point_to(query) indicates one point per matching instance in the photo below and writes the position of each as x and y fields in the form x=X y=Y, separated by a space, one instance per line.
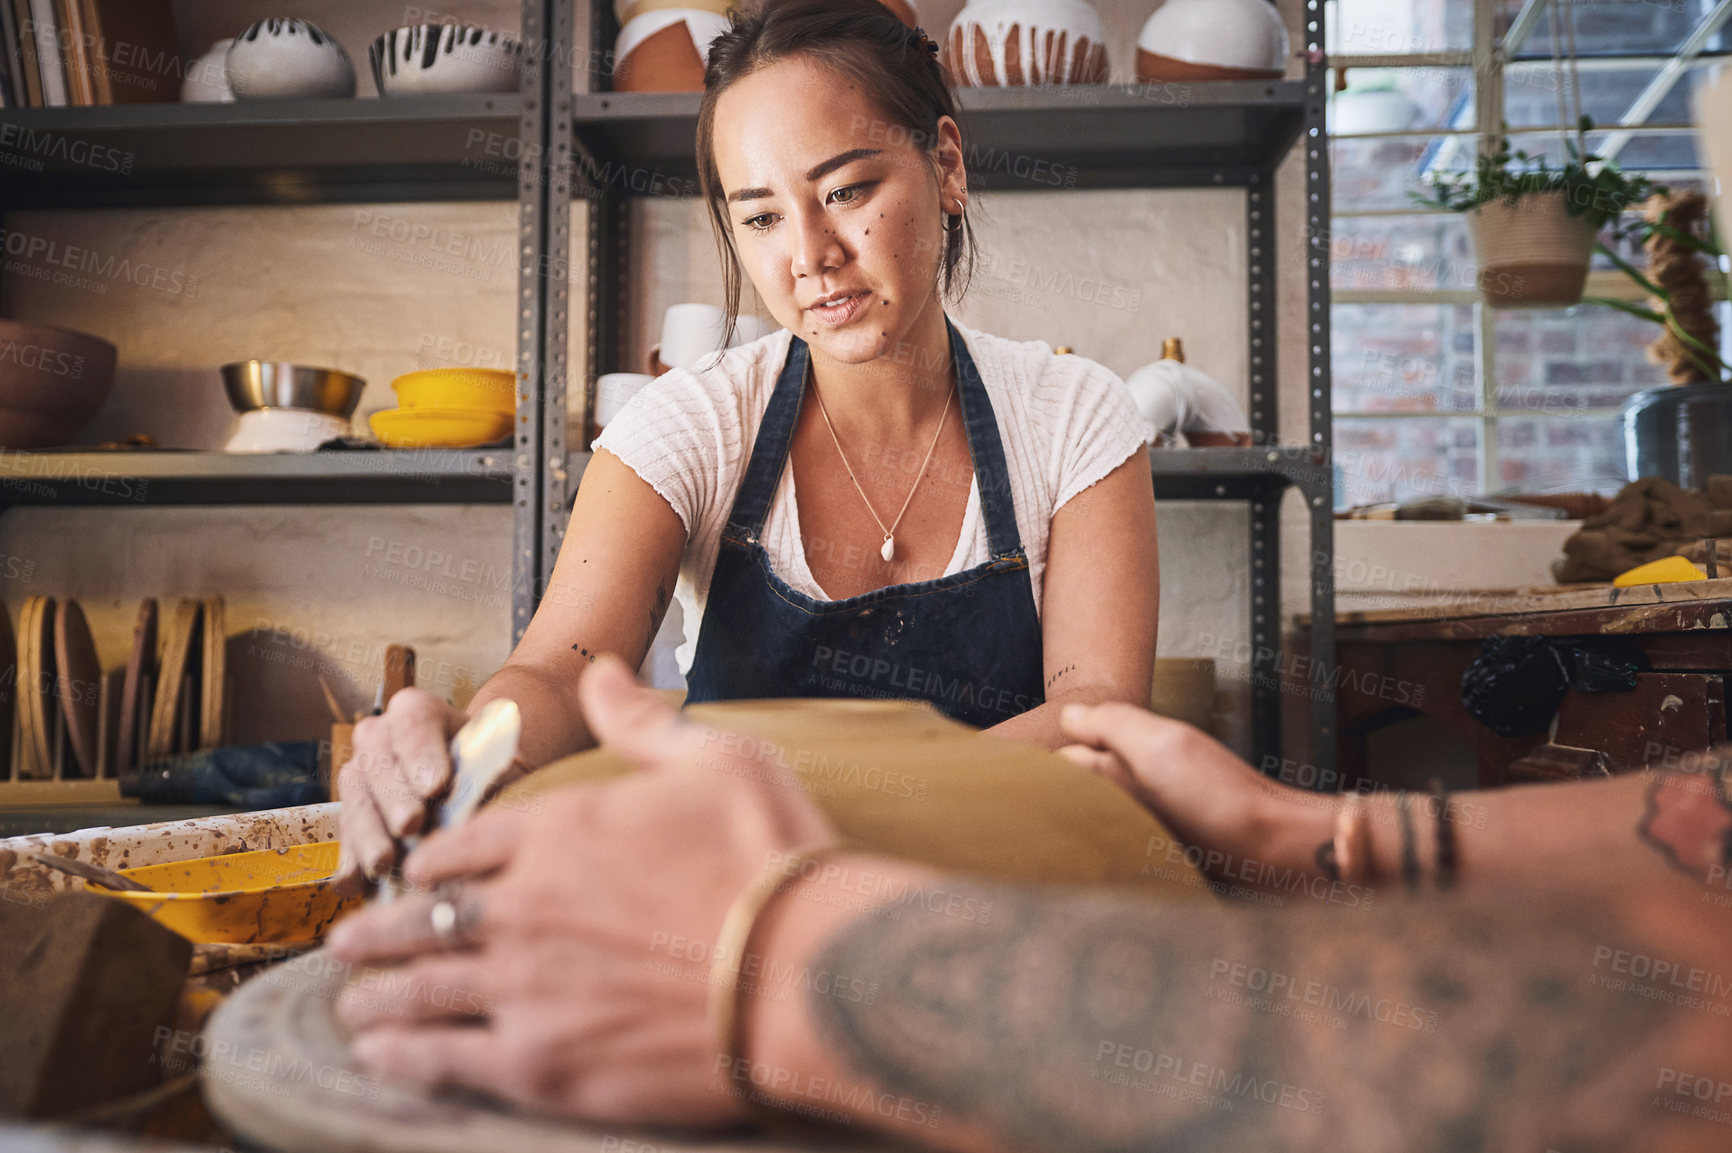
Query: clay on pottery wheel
x=900 y=778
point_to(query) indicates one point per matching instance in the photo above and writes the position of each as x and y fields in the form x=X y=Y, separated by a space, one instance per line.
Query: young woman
x=875 y=501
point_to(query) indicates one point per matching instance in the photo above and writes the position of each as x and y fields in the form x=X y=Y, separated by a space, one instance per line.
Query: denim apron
x=970 y=642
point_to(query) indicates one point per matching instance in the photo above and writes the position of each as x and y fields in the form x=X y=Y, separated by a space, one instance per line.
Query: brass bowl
x=253 y=384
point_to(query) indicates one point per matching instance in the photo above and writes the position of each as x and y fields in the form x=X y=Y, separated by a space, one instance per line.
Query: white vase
x=1182 y=405
x=207 y=79
x=444 y=58
x=1189 y=40
x=281 y=57
x=1017 y=43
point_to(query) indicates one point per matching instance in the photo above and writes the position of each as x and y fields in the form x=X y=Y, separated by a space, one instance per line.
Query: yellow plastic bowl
x=244 y=898
x=492 y=389
x=439 y=427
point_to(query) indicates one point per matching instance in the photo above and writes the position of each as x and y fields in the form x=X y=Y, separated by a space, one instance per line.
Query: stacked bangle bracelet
x=1346 y=856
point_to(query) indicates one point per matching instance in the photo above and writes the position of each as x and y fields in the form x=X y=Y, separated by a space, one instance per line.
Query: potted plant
x=1681 y=431
x=1534 y=226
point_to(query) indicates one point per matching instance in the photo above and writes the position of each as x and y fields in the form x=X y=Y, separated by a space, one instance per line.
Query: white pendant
x=888 y=552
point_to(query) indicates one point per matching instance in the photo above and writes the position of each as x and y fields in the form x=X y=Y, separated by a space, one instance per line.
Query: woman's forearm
x=552 y=722
x=1040 y=726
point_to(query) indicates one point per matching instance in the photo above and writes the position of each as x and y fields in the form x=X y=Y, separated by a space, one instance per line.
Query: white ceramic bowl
x=284 y=57
x=444 y=58
x=1224 y=39
x=1017 y=43
x=207 y=78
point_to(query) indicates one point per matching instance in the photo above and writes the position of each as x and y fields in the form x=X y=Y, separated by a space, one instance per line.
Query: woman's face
x=825 y=195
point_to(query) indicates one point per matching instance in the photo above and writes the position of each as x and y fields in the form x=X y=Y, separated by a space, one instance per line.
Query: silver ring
x=444 y=918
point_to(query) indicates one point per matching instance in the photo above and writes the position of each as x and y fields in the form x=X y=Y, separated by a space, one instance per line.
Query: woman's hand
x=1203 y=792
x=589 y=924
x=400 y=762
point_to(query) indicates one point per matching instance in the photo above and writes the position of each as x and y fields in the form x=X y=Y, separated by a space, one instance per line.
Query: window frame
x=1490 y=59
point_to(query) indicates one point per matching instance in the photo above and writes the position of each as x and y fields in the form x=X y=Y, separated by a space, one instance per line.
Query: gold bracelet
x=735 y=938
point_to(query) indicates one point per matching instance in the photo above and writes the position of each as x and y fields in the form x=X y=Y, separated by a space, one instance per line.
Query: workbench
x=1397 y=662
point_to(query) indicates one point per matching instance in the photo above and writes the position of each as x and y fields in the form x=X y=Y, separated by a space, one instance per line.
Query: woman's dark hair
x=864 y=41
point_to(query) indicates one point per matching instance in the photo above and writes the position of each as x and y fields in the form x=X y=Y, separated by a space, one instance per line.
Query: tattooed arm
x=987 y=1017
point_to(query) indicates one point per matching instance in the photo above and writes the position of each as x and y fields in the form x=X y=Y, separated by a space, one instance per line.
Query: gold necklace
x=888 y=552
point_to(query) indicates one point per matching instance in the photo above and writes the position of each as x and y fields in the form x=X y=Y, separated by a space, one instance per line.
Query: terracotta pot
x=1532 y=254
x=665 y=50
x=1013 y=43
x=1193 y=40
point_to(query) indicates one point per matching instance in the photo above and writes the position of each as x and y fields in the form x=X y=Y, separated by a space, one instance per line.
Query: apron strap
x=997 y=506
x=770 y=449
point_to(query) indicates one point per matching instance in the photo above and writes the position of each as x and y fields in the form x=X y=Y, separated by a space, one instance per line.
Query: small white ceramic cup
x=691 y=335
x=612 y=390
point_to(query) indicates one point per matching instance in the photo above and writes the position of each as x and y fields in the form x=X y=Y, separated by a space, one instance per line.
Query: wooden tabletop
x=1544 y=610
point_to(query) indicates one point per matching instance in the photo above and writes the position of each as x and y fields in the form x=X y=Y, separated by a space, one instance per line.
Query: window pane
x=1616 y=27
x=1560 y=454
x=1608 y=91
x=1559 y=362
x=1401 y=100
x=1381 y=27
x=1409 y=253
x=1531 y=96
x=1385 y=172
x=1403 y=358
x=1382 y=460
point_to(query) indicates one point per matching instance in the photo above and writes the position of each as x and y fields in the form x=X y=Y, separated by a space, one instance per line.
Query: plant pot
x=1533 y=253
x=1682 y=433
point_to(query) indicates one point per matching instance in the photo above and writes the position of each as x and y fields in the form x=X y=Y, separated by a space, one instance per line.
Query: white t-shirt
x=1065 y=422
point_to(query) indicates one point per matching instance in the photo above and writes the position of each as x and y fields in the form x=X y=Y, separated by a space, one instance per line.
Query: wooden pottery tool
x=77 y=685
x=286 y=1012
x=480 y=754
x=134 y=698
x=85 y=871
x=399 y=670
x=213 y=712
x=177 y=646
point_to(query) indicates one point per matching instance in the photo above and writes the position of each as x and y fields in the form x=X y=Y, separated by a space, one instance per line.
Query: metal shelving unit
x=548 y=145
x=1116 y=136
x=289 y=152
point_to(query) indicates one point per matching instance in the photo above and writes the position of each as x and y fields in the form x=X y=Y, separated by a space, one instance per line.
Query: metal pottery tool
x=480 y=752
